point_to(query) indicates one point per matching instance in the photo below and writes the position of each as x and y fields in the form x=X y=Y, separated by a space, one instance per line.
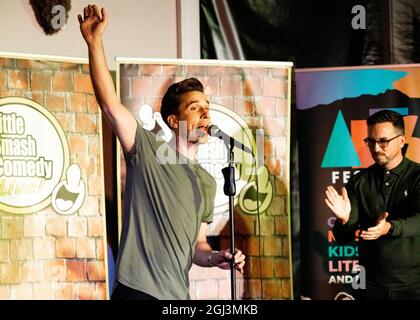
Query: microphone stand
x=229 y=189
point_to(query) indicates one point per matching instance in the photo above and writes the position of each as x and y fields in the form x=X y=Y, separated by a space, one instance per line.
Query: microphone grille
x=212 y=130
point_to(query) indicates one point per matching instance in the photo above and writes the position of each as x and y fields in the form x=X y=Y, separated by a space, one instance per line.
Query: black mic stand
x=229 y=189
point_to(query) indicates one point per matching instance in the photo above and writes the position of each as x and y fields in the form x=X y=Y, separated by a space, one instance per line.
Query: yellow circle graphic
x=34 y=155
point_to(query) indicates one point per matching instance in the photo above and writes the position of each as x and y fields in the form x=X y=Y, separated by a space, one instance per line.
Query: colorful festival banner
x=52 y=222
x=251 y=102
x=332 y=107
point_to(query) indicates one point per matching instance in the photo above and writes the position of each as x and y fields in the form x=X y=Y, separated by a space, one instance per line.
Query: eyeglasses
x=383 y=143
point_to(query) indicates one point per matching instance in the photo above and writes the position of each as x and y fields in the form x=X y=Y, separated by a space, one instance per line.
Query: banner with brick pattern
x=251 y=102
x=52 y=222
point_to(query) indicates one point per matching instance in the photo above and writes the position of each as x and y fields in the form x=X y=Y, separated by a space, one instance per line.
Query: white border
x=211 y=62
x=14 y=55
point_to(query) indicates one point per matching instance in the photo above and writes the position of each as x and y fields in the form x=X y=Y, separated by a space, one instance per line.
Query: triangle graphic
x=340 y=151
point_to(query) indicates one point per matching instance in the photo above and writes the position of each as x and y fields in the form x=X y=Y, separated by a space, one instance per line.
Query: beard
x=380 y=158
x=198 y=136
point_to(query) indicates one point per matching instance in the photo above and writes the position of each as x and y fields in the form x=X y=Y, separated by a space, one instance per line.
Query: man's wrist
x=210 y=262
x=94 y=43
x=344 y=221
x=391 y=229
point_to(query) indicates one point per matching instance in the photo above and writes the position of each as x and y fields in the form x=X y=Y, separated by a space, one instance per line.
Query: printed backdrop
x=333 y=105
x=52 y=225
x=244 y=97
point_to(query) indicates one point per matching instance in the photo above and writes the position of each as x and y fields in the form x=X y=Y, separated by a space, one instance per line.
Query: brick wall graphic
x=52 y=225
x=252 y=97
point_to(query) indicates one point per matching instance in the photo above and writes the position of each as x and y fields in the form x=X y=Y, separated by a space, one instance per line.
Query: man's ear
x=403 y=141
x=173 y=121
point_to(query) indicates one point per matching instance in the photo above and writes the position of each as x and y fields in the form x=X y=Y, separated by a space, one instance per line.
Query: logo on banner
x=213 y=157
x=346 y=147
x=340 y=151
x=34 y=156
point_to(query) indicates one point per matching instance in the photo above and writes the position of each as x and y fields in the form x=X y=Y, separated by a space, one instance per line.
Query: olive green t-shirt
x=164 y=206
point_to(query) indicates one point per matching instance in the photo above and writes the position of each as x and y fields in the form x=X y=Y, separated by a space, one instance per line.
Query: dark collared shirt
x=393 y=261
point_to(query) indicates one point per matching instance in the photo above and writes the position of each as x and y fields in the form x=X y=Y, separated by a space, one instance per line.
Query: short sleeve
x=145 y=142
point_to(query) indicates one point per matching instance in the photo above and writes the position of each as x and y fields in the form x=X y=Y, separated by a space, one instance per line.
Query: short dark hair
x=170 y=101
x=387 y=116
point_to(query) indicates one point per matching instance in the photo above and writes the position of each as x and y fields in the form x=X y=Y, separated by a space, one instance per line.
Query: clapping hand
x=339 y=204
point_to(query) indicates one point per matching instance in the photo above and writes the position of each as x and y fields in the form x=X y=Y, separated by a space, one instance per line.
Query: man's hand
x=339 y=204
x=381 y=228
x=92 y=25
x=222 y=259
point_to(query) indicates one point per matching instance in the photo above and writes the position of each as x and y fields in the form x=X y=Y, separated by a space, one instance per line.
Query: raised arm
x=92 y=27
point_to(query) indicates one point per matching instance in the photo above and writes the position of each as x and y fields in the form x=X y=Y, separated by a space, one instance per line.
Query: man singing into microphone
x=167 y=206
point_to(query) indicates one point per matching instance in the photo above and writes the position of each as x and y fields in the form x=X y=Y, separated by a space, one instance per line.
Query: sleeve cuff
x=343 y=227
x=397 y=229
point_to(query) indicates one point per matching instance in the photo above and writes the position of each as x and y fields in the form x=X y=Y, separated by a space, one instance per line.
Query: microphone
x=214 y=131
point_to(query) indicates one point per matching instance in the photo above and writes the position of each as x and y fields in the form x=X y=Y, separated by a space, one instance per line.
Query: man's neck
x=187 y=148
